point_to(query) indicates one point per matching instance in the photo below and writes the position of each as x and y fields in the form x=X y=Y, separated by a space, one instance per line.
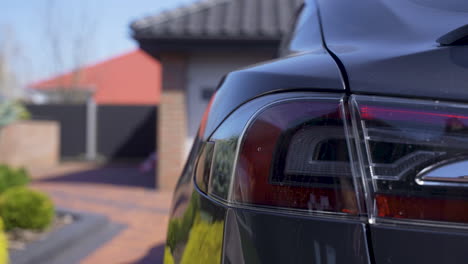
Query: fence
x=121 y=131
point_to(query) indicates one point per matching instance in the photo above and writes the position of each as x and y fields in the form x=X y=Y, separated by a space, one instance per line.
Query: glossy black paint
x=419 y=245
x=308 y=67
x=248 y=236
x=196 y=223
x=390 y=47
x=305 y=32
x=256 y=237
x=314 y=71
x=377 y=47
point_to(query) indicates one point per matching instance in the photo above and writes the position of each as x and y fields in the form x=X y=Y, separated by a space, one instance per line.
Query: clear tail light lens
x=413 y=154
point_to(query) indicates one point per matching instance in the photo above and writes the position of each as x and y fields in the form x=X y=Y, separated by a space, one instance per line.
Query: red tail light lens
x=295 y=155
x=408 y=150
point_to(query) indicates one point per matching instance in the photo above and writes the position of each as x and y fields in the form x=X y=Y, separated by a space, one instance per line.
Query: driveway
x=122 y=193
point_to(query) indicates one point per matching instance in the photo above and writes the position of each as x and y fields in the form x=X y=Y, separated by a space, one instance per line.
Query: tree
x=9 y=52
x=71 y=42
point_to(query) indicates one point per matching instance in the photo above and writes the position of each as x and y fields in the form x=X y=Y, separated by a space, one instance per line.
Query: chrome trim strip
x=422 y=178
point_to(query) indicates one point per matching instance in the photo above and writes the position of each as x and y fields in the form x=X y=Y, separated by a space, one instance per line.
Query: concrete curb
x=60 y=241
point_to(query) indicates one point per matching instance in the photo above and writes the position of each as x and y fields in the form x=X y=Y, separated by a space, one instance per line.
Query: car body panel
x=194 y=221
x=389 y=47
x=314 y=71
x=260 y=237
x=378 y=47
x=307 y=67
x=204 y=239
x=412 y=244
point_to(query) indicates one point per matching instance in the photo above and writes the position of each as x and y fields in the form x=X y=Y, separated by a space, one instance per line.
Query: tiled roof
x=220 y=19
x=133 y=78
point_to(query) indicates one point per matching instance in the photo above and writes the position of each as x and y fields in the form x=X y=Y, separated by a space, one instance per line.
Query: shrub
x=3 y=245
x=10 y=177
x=24 y=208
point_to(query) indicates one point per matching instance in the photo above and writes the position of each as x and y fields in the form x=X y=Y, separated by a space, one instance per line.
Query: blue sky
x=24 y=24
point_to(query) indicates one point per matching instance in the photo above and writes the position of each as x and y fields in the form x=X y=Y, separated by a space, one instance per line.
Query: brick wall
x=172 y=120
x=30 y=144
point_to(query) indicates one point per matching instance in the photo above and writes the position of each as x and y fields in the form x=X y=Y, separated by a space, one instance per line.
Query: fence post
x=91 y=129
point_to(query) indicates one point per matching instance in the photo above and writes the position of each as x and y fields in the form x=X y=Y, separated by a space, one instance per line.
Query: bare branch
x=71 y=41
x=9 y=54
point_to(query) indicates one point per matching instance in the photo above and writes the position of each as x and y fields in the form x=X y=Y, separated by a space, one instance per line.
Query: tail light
x=290 y=155
x=385 y=158
x=414 y=154
x=294 y=155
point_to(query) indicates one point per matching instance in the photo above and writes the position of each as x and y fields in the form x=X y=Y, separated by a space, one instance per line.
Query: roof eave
x=155 y=46
x=205 y=38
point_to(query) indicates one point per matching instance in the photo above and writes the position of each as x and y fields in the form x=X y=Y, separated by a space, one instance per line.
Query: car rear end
x=321 y=157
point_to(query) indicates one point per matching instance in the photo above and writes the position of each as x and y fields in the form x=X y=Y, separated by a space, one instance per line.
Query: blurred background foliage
x=12 y=111
x=24 y=208
x=12 y=177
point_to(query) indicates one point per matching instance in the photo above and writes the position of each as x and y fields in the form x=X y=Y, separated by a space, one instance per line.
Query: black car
x=352 y=147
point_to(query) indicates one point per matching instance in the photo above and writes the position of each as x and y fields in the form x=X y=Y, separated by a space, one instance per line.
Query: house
x=126 y=90
x=196 y=46
x=132 y=78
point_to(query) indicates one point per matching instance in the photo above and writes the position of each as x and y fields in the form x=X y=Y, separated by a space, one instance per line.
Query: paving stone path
x=125 y=196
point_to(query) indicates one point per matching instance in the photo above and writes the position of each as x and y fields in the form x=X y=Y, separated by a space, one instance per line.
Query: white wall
x=205 y=70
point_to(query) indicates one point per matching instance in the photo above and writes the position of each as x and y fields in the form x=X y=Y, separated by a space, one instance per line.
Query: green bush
x=10 y=177
x=24 y=208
